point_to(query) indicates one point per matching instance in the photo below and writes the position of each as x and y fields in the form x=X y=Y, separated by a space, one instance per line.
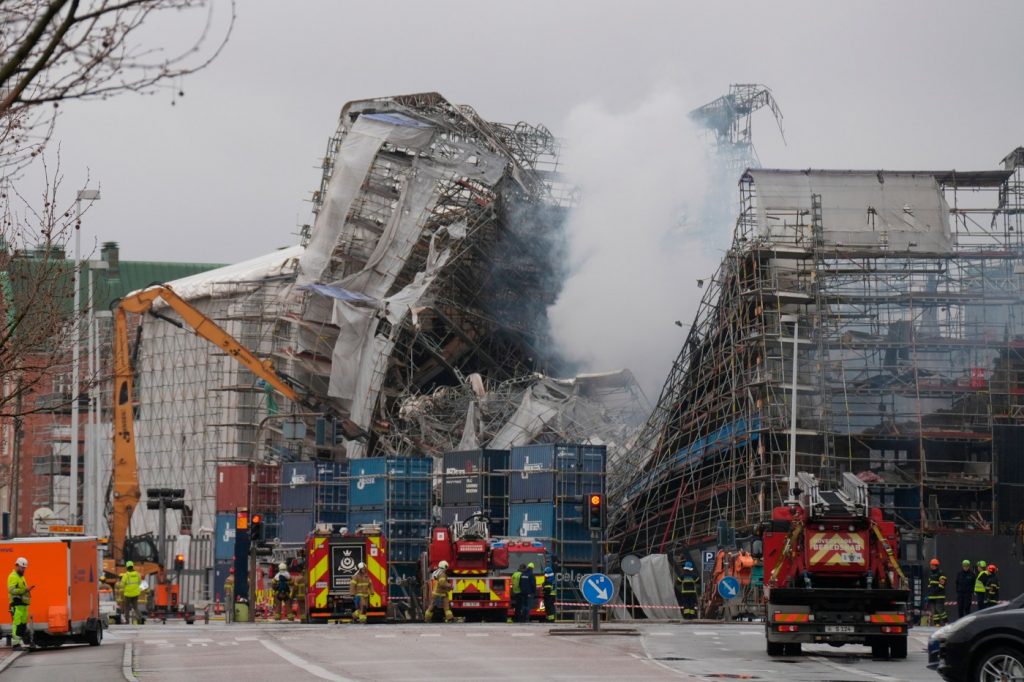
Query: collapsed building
x=413 y=312
x=901 y=293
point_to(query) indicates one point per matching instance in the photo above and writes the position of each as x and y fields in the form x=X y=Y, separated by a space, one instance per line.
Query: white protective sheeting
x=654 y=585
x=358 y=150
x=860 y=209
x=248 y=275
x=537 y=408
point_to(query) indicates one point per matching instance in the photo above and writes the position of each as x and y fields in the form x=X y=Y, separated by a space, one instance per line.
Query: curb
x=6 y=663
x=126 y=663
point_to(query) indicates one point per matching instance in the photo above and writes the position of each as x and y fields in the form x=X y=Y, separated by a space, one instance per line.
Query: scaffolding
x=905 y=291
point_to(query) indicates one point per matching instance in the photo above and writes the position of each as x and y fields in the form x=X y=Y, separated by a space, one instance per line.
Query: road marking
x=385 y=636
x=196 y=644
x=851 y=669
x=126 y=663
x=154 y=641
x=430 y=634
x=227 y=643
x=199 y=639
x=706 y=633
x=477 y=634
x=299 y=662
x=522 y=634
x=247 y=639
x=662 y=634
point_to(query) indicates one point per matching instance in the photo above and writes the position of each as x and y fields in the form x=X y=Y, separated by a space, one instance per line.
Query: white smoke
x=641 y=237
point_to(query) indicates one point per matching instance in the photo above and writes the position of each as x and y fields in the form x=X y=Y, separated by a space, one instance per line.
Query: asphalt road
x=412 y=653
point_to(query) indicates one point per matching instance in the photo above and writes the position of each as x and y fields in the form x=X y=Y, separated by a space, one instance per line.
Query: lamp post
x=90 y=512
x=89 y=195
x=795 y=319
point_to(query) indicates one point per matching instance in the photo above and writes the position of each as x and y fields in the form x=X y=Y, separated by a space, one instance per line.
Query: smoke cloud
x=654 y=217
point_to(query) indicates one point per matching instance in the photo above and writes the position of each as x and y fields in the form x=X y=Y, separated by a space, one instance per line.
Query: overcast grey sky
x=224 y=175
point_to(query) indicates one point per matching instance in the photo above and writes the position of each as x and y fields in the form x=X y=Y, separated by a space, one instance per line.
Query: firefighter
x=981 y=585
x=516 y=592
x=937 y=595
x=548 y=590
x=229 y=596
x=439 y=594
x=360 y=589
x=19 y=595
x=687 y=585
x=282 y=591
x=131 y=585
x=528 y=591
x=964 y=589
x=993 y=585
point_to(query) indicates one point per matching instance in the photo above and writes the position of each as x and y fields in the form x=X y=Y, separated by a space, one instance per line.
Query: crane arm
x=126 y=491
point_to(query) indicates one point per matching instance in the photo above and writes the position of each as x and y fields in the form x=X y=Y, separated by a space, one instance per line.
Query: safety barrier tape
x=639 y=606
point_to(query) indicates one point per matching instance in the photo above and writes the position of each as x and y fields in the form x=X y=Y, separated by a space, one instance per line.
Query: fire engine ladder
x=850 y=500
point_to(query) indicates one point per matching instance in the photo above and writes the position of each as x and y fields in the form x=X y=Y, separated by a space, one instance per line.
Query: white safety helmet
x=361 y=566
x=21 y=562
x=282 y=566
x=442 y=564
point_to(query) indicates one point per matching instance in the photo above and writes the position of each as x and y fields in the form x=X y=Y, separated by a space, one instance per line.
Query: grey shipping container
x=474 y=461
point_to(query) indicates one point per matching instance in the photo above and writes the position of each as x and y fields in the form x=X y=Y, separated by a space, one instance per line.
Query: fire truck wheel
x=898 y=648
x=879 y=650
x=795 y=649
x=776 y=648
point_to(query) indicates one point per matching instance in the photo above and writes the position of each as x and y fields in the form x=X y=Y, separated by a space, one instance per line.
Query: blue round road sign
x=728 y=587
x=598 y=588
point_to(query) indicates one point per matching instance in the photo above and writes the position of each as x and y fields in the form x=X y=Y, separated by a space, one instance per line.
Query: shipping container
x=498 y=515
x=406 y=550
x=234 y=482
x=224 y=544
x=314 y=485
x=593 y=458
x=572 y=552
x=232 y=487
x=465 y=462
x=561 y=522
x=362 y=517
x=463 y=489
x=394 y=482
x=295 y=526
x=531 y=487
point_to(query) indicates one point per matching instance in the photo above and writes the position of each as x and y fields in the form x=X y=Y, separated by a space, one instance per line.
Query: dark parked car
x=987 y=646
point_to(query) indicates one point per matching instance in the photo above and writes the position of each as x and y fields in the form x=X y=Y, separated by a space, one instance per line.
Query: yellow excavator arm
x=126 y=491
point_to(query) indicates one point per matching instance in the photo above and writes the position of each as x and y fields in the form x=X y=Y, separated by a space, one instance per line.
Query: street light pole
x=76 y=340
x=795 y=319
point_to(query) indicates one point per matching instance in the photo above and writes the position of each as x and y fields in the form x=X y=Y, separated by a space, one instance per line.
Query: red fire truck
x=832 y=572
x=480 y=568
x=331 y=560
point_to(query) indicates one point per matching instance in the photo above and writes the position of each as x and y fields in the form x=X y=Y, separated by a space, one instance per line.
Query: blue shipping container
x=295 y=526
x=309 y=485
x=406 y=550
x=531 y=520
x=463 y=462
x=366 y=517
x=224 y=546
x=593 y=458
x=404 y=482
x=527 y=487
x=572 y=552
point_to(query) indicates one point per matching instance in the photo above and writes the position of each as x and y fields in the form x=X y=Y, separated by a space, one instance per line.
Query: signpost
x=598 y=589
x=728 y=587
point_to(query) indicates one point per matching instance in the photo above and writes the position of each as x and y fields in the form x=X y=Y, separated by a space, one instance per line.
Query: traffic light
x=256 y=528
x=595 y=514
x=179 y=562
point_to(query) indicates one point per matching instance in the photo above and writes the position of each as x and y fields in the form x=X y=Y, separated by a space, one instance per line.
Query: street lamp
x=795 y=319
x=91 y=515
x=89 y=195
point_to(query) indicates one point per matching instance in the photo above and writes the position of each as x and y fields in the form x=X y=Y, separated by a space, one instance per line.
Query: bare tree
x=53 y=51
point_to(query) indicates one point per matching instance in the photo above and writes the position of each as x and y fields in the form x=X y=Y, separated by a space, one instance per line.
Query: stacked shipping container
x=475 y=481
x=548 y=486
x=312 y=493
x=396 y=494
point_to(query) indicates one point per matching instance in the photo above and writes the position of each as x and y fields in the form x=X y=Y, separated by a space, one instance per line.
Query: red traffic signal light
x=179 y=562
x=257 y=518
